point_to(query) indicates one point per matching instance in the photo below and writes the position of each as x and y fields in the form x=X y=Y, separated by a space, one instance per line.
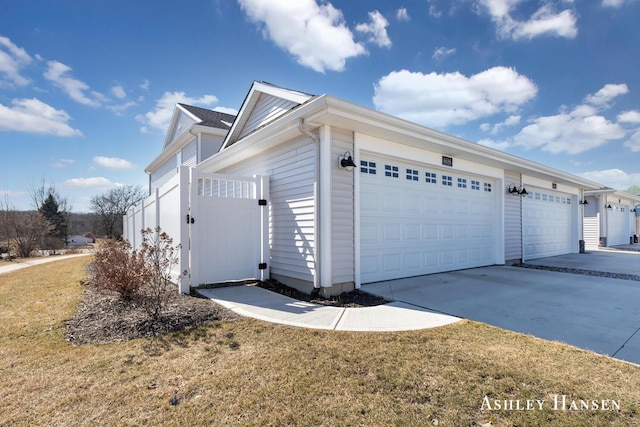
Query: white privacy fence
x=221 y=222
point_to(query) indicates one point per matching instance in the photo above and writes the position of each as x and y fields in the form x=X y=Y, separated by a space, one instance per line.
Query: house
x=610 y=218
x=352 y=196
x=80 y=240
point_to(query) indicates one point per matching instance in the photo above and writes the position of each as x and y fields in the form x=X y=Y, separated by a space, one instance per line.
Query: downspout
x=316 y=278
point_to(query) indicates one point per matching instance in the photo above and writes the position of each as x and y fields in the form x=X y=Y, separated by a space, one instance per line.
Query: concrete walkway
x=258 y=303
x=8 y=267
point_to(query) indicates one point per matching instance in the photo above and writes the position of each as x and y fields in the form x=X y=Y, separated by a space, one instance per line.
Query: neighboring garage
x=418 y=219
x=610 y=218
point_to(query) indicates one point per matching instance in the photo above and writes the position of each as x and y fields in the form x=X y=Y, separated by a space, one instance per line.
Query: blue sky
x=87 y=88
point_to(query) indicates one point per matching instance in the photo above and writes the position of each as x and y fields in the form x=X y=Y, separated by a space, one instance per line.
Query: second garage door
x=416 y=219
x=618 y=225
x=547 y=223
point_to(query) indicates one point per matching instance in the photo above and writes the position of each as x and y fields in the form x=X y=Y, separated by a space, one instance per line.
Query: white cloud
x=12 y=60
x=512 y=120
x=121 y=108
x=315 y=35
x=119 y=92
x=403 y=15
x=605 y=95
x=144 y=85
x=160 y=117
x=63 y=163
x=34 y=116
x=613 y=178
x=440 y=100
x=57 y=73
x=572 y=132
x=442 y=52
x=632 y=116
x=613 y=3
x=94 y=182
x=113 y=162
x=377 y=29
x=545 y=21
x=633 y=143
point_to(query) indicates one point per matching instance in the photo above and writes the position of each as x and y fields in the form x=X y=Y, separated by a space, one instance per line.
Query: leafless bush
x=160 y=258
x=118 y=268
x=141 y=276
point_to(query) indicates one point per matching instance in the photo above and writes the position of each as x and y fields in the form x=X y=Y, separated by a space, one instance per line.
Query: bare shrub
x=118 y=268
x=141 y=277
x=160 y=258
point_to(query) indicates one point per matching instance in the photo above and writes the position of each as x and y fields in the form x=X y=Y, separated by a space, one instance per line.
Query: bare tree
x=113 y=204
x=24 y=232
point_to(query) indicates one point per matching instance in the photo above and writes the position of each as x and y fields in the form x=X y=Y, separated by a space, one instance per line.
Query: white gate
x=228 y=223
x=220 y=221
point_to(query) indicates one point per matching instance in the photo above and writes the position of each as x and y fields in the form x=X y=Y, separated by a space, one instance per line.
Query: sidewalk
x=258 y=303
x=8 y=267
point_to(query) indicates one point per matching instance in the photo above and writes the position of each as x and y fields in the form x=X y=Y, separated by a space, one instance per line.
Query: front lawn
x=248 y=372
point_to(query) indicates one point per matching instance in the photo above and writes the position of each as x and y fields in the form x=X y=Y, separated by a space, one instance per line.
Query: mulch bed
x=106 y=318
x=354 y=298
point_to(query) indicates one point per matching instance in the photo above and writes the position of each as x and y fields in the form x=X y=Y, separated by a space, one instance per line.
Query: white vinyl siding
x=164 y=173
x=342 y=207
x=267 y=109
x=591 y=224
x=209 y=145
x=292 y=173
x=512 y=219
x=183 y=122
x=189 y=153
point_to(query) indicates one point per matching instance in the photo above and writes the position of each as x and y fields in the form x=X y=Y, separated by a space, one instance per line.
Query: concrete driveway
x=595 y=313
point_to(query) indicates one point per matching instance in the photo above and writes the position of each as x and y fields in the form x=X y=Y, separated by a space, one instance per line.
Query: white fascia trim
x=394 y=124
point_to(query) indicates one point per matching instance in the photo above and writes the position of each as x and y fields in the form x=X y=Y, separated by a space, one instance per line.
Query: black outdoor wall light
x=584 y=202
x=346 y=161
x=512 y=189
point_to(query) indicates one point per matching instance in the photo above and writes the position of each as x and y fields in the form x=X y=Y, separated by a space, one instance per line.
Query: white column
x=324 y=240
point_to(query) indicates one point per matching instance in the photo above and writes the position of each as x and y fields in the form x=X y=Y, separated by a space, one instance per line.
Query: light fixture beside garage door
x=346 y=161
x=513 y=189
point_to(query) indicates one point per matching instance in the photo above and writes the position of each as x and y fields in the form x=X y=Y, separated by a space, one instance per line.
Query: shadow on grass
x=160 y=344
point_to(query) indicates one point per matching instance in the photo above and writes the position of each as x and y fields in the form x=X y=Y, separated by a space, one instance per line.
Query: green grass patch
x=250 y=372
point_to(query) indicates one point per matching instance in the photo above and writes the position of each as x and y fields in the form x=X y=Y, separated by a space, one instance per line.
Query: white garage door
x=547 y=223
x=416 y=219
x=618 y=225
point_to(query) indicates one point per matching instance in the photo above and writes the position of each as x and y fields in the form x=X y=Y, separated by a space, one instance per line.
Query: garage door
x=618 y=225
x=416 y=219
x=547 y=223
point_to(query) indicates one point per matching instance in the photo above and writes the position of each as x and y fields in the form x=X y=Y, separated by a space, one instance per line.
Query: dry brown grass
x=254 y=373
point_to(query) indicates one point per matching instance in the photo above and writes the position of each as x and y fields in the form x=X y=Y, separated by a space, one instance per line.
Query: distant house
x=331 y=196
x=80 y=240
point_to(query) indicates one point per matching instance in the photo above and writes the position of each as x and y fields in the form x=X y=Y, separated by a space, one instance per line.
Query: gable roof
x=282 y=100
x=214 y=119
